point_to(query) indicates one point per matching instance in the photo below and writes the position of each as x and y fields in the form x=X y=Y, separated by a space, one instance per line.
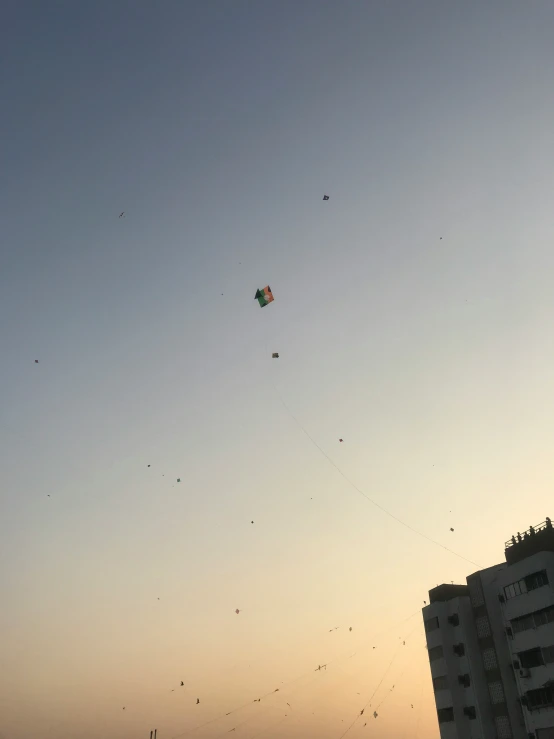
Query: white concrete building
x=491 y=645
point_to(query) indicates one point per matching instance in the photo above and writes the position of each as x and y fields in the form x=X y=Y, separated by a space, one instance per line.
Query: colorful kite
x=264 y=296
x=275 y=355
x=326 y=197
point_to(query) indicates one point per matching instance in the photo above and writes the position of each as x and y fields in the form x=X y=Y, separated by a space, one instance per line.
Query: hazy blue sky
x=413 y=316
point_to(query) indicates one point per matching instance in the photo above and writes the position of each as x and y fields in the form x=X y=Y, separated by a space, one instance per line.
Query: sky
x=412 y=316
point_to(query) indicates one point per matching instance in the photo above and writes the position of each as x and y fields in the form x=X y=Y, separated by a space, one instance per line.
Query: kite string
x=378 y=685
x=361 y=492
x=419 y=707
x=291 y=682
x=399 y=678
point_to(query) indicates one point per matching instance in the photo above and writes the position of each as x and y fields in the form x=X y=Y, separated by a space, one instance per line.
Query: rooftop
x=446 y=592
x=538 y=538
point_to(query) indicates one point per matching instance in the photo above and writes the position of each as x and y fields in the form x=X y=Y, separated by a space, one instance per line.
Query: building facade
x=491 y=645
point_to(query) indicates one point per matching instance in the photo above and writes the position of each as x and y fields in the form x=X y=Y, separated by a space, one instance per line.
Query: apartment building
x=491 y=645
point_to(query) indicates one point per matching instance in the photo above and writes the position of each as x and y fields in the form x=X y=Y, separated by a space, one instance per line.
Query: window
x=454 y=619
x=531 y=582
x=540 y=698
x=534 y=620
x=470 y=712
x=548 y=654
x=464 y=680
x=523 y=623
x=440 y=683
x=489 y=659
x=536 y=580
x=445 y=714
x=516 y=588
x=431 y=624
x=531 y=658
x=496 y=692
x=435 y=653
x=543 y=617
x=459 y=649
x=503 y=728
x=546 y=733
x=483 y=627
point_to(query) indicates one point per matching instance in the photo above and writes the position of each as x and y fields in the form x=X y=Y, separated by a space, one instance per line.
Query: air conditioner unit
x=516 y=664
x=501 y=598
x=509 y=631
x=525 y=672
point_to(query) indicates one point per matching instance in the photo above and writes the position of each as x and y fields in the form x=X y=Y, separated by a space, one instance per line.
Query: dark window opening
x=454 y=619
x=470 y=712
x=531 y=658
x=464 y=680
x=536 y=580
x=459 y=649
x=445 y=714
x=523 y=623
x=540 y=698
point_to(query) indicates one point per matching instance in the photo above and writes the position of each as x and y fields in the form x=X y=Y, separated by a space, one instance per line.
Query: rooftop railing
x=531 y=531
